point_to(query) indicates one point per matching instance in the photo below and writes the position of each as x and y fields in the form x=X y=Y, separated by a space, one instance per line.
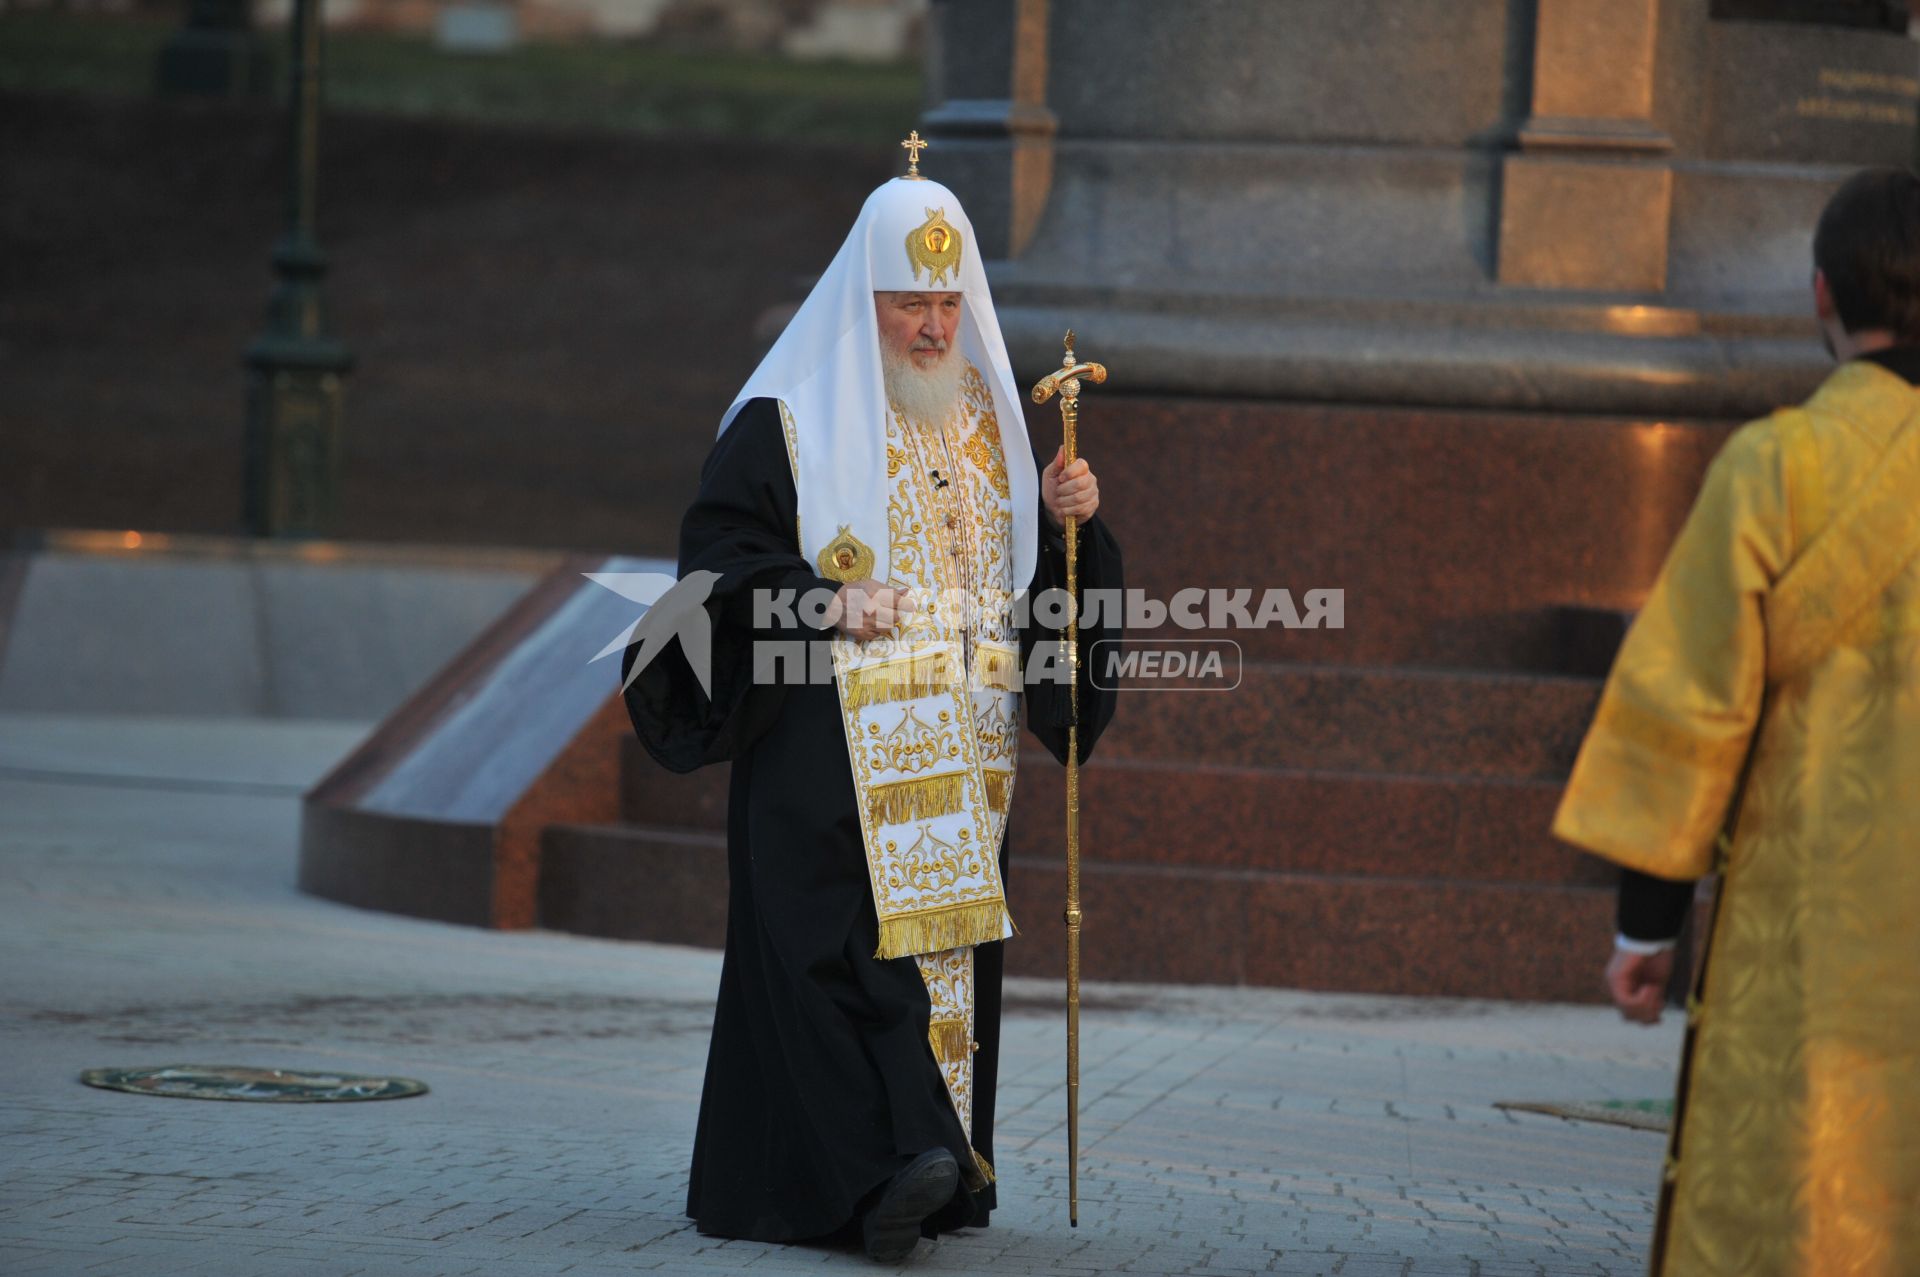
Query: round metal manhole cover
x=239 y=1082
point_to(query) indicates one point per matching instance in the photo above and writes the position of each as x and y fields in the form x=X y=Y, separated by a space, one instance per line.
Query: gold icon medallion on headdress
x=846 y=558
x=934 y=246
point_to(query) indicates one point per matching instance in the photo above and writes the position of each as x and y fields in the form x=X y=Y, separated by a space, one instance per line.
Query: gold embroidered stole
x=948 y=976
x=931 y=715
x=1858 y=555
x=929 y=710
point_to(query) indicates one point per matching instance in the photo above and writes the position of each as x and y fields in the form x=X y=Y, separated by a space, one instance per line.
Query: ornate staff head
x=1066 y=378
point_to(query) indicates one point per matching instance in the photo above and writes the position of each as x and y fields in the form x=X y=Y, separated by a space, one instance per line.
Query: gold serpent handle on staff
x=1066 y=381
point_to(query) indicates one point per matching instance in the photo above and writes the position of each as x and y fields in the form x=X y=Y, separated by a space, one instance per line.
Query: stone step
x=625 y=882
x=1207 y=817
x=1312 y=931
x=1302 y=720
x=1181 y=923
x=1396 y=722
x=1240 y=819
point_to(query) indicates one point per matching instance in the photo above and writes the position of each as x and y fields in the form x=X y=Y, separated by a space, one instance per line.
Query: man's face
x=918 y=327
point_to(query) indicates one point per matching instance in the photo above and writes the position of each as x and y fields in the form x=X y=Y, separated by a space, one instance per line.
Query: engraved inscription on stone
x=1869 y=97
x=1811 y=94
x=1883 y=15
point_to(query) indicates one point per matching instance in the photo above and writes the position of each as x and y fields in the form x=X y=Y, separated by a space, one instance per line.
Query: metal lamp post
x=295 y=371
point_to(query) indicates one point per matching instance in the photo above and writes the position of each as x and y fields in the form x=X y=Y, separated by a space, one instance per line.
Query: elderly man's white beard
x=925 y=395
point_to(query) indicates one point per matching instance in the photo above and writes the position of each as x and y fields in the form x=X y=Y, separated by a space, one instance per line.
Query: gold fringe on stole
x=998 y=667
x=931 y=930
x=980 y=1174
x=999 y=787
x=951 y=1042
x=905 y=679
x=923 y=799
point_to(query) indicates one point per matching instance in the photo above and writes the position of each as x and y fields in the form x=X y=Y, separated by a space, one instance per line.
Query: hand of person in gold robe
x=864 y=610
x=1638 y=983
x=1069 y=490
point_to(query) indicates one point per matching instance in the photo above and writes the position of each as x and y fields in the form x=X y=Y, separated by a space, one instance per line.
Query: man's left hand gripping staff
x=1069 y=491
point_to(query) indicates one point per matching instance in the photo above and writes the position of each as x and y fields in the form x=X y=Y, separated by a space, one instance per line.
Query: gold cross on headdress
x=913 y=146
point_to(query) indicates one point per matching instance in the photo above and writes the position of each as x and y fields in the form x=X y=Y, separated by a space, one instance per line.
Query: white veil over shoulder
x=826 y=368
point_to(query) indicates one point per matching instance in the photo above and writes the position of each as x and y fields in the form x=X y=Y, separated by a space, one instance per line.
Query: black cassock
x=820 y=1080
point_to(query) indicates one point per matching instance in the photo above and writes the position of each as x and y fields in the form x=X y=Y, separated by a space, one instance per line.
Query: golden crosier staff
x=1066 y=380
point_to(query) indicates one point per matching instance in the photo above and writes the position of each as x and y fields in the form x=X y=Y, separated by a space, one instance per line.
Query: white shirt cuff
x=1626 y=944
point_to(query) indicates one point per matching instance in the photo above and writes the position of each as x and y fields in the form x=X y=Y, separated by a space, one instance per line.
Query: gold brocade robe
x=1771 y=687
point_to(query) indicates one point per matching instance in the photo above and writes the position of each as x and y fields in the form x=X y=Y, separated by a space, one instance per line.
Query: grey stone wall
x=243 y=629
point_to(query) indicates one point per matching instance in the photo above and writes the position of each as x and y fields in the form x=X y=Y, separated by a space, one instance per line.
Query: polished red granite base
x=1454 y=534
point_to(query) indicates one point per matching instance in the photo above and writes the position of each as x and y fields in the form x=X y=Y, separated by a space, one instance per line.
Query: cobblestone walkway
x=147 y=916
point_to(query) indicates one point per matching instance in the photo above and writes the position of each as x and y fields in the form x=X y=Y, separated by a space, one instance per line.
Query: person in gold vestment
x=1763 y=718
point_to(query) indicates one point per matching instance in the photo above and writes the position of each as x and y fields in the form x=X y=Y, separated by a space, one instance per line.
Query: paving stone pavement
x=147 y=916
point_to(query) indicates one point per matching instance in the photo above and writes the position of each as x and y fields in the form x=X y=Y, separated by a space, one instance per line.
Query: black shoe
x=891 y=1227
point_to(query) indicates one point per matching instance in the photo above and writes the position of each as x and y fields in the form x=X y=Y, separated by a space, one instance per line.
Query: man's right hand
x=1638 y=983
x=864 y=610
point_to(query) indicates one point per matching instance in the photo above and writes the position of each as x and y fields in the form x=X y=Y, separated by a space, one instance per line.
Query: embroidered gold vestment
x=931 y=713
x=1770 y=688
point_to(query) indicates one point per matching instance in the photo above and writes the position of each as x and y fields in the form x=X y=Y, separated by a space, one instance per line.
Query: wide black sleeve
x=1651 y=908
x=1049 y=703
x=741 y=528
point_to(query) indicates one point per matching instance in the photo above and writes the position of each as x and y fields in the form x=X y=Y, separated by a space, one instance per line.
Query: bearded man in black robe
x=870 y=519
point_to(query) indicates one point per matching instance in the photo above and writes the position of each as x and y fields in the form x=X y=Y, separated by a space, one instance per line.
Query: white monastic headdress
x=911 y=236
